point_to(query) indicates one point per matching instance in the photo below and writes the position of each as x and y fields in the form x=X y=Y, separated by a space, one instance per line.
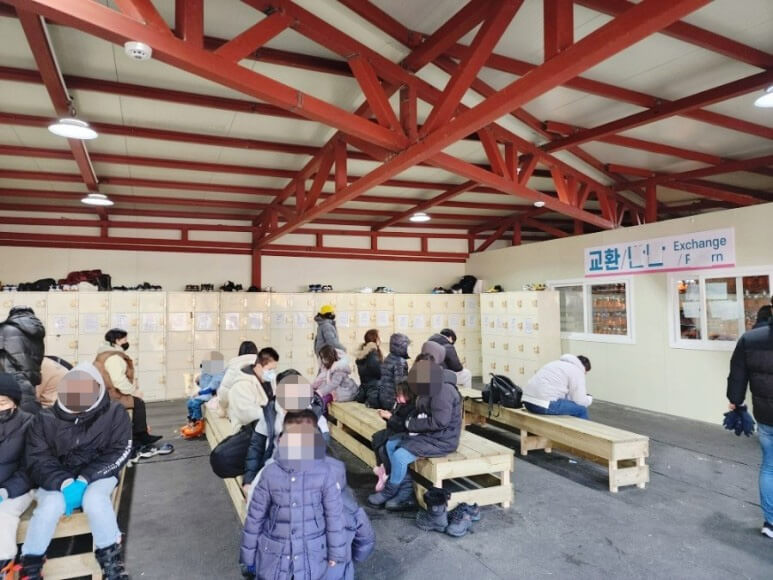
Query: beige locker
x=439 y=321
x=151 y=341
x=487 y=303
x=93 y=302
x=257 y=301
x=206 y=302
x=281 y=302
x=471 y=302
x=365 y=301
x=232 y=321
x=305 y=302
x=152 y=384
x=365 y=318
x=150 y=361
x=175 y=385
x=179 y=341
x=439 y=303
x=124 y=301
x=205 y=341
x=64 y=324
x=180 y=360
x=256 y=321
x=88 y=345
x=38 y=301
x=232 y=302
x=180 y=301
x=62 y=303
x=230 y=341
x=201 y=355
x=62 y=345
x=152 y=301
x=405 y=304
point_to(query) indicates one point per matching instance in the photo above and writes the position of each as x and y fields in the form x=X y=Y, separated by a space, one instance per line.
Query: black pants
x=139 y=421
x=378 y=443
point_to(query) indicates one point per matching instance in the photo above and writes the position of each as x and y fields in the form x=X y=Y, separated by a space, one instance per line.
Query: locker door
x=365 y=301
x=384 y=301
x=180 y=302
x=178 y=360
x=257 y=301
x=152 y=384
x=62 y=345
x=306 y=302
x=280 y=302
x=151 y=341
x=232 y=302
x=93 y=302
x=62 y=302
x=175 y=385
x=205 y=341
x=487 y=303
x=152 y=301
x=206 y=302
x=150 y=361
x=124 y=301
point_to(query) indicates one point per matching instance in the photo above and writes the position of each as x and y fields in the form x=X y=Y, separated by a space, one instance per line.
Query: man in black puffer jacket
x=75 y=453
x=447 y=339
x=752 y=364
x=21 y=352
x=15 y=494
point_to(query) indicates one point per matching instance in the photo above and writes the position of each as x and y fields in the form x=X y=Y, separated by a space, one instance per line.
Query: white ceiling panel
x=749 y=22
x=25 y=98
x=301 y=132
x=743 y=108
x=174 y=116
x=256 y=158
x=744 y=179
x=81 y=54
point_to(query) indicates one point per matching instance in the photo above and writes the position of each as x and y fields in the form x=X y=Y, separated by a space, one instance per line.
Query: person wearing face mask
x=75 y=452
x=253 y=389
x=295 y=525
x=15 y=486
x=117 y=370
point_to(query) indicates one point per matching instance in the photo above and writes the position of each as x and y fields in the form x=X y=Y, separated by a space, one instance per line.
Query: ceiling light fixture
x=420 y=217
x=97 y=199
x=539 y=204
x=72 y=128
x=766 y=99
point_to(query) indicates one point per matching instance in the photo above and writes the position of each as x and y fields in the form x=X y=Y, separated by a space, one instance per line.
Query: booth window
x=712 y=311
x=595 y=311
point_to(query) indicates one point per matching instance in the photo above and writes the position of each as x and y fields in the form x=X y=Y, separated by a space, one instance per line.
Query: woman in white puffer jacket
x=248 y=355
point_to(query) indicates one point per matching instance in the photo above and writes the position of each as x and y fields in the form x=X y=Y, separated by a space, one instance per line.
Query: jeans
x=10 y=512
x=97 y=505
x=766 y=470
x=400 y=459
x=194 y=406
x=559 y=407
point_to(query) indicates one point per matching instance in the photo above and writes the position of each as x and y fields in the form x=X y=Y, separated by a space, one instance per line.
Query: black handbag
x=502 y=391
x=228 y=456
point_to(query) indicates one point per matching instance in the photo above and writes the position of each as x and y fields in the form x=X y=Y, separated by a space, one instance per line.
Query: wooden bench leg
x=506 y=483
x=613 y=476
x=531 y=442
x=640 y=463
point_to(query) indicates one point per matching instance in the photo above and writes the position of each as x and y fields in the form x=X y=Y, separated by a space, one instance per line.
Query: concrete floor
x=698 y=518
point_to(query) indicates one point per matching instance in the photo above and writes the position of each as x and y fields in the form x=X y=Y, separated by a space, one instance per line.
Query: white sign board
x=695 y=251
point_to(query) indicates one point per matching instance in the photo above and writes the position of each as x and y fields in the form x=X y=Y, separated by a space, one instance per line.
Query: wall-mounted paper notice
x=301 y=320
x=121 y=321
x=716 y=290
x=344 y=319
x=363 y=318
x=454 y=321
x=205 y=321
x=231 y=320
x=255 y=321
x=179 y=321
x=90 y=323
x=724 y=309
x=151 y=322
x=403 y=321
x=278 y=320
x=419 y=321
x=382 y=318
x=437 y=321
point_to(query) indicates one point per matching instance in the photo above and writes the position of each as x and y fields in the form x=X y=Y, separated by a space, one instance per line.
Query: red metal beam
x=189 y=21
x=43 y=52
x=374 y=92
x=651 y=213
x=544 y=227
x=726 y=167
x=496 y=235
x=692 y=34
x=628 y=170
x=442 y=198
x=702 y=99
x=99 y=20
x=715 y=192
x=497 y=20
x=144 y=12
x=559 y=26
x=254 y=37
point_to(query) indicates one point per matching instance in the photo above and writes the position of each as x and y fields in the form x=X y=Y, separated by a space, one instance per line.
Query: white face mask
x=269 y=375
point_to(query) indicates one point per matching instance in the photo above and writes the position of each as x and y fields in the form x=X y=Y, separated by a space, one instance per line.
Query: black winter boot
x=435 y=518
x=379 y=499
x=111 y=562
x=404 y=499
x=32 y=567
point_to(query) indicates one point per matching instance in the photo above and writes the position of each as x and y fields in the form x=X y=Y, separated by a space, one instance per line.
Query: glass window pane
x=756 y=300
x=689 y=309
x=572 y=309
x=721 y=309
x=608 y=309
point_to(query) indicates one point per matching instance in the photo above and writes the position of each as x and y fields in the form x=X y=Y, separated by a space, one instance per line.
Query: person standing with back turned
x=752 y=365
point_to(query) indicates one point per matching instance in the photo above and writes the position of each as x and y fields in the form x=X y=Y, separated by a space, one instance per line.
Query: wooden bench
x=622 y=453
x=75 y=565
x=218 y=428
x=478 y=472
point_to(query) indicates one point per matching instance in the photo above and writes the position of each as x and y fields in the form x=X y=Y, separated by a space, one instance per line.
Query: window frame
x=587 y=335
x=674 y=334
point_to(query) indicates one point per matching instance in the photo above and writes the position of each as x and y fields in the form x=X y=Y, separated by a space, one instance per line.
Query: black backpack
x=227 y=458
x=502 y=391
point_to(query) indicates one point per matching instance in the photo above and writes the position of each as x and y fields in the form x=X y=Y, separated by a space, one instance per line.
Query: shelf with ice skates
x=622 y=453
x=478 y=472
x=78 y=565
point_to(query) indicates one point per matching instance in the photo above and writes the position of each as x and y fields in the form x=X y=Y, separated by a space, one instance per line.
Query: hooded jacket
x=94 y=444
x=393 y=370
x=246 y=399
x=117 y=369
x=368 y=364
x=21 y=352
x=451 y=361
x=560 y=379
x=232 y=371
x=51 y=372
x=358 y=531
x=337 y=379
x=436 y=424
x=327 y=333
x=752 y=364
x=13 y=477
x=295 y=522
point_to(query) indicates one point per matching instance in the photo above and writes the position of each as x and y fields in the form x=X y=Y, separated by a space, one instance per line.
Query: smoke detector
x=138 y=50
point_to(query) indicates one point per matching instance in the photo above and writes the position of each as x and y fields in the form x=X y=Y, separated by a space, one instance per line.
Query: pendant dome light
x=98 y=199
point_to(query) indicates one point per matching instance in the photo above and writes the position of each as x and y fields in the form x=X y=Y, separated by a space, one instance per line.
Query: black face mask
x=7 y=414
x=125 y=346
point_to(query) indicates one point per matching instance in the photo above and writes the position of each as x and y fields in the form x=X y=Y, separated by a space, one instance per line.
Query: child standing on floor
x=394 y=369
x=74 y=456
x=295 y=526
x=395 y=426
x=15 y=487
x=212 y=372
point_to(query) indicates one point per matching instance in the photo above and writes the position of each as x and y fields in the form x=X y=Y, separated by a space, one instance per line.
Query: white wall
x=648 y=374
x=174 y=270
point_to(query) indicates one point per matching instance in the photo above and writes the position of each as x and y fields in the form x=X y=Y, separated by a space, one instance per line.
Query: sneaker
x=459 y=522
x=380 y=472
x=767 y=530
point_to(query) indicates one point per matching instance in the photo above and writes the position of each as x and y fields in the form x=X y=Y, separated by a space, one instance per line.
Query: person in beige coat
x=253 y=389
x=51 y=372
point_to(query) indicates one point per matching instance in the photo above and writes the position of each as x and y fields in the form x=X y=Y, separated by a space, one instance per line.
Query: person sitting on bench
x=247 y=357
x=75 y=453
x=334 y=381
x=212 y=372
x=253 y=389
x=558 y=388
x=15 y=488
x=447 y=339
x=52 y=369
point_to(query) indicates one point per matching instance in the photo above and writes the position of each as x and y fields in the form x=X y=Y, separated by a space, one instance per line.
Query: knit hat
x=327 y=309
x=436 y=351
x=10 y=388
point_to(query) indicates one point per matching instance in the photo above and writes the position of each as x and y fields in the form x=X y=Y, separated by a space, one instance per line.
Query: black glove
x=739 y=421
